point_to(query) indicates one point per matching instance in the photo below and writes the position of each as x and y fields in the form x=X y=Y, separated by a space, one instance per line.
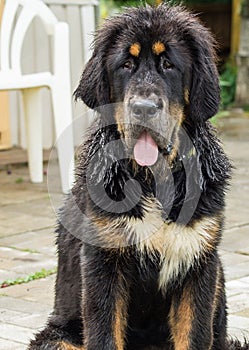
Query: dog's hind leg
x=64 y=330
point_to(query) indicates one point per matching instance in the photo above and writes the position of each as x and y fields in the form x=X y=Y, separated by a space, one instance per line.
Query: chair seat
x=14 y=81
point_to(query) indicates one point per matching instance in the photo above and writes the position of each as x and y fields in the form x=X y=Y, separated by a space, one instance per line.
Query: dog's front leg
x=105 y=297
x=193 y=310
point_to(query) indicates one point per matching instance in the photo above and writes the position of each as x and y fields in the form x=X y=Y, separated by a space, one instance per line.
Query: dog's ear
x=204 y=95
x=93 y=88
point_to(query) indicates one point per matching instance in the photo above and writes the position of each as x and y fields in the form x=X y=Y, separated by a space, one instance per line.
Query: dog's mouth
x=145 y=150
x=149 y=139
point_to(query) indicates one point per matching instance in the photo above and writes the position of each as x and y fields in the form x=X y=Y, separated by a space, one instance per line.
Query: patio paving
x=27 y=221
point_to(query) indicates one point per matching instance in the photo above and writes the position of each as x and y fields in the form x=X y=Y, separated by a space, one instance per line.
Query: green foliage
x=35 y=276
x=110 y=7
x=27 y=250
x=129 y=3
x=246 y=108
x=204 y=2
x=245 y=8
x=228 y=84
x=120 y=3
x=228 y=87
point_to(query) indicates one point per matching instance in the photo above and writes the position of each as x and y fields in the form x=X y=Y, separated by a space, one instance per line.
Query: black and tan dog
x=138 y=236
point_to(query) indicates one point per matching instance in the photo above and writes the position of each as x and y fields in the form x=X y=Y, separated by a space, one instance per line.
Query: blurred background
x=227 y=19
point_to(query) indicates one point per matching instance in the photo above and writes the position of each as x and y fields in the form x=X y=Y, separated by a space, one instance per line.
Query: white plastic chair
x=13 y=30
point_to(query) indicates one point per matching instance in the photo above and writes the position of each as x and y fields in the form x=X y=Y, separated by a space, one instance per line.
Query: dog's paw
x=54 y=338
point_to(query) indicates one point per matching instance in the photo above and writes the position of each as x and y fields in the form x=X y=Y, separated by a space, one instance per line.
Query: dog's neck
x=110 y=176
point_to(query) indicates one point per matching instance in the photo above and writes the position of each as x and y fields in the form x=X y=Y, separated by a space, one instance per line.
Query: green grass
x=32 y=277
x=246 y=108
x=27 y=250
x=19 y=180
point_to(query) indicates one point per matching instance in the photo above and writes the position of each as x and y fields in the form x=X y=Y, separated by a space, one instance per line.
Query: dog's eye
x=128 y=65
x=166 y=64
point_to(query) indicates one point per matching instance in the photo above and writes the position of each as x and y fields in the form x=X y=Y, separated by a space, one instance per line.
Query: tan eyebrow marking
x=158 y=47
x=135 y=49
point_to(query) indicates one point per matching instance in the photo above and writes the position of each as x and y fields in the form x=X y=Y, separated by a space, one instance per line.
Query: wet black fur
x=91 y=277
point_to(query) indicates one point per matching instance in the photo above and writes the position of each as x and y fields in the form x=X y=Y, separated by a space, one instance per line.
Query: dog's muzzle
x=144 y=109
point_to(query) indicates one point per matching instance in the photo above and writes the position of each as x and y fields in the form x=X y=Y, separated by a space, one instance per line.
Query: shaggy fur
x=138 y=264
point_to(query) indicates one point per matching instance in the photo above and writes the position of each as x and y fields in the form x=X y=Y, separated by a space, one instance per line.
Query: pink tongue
x=145 y=150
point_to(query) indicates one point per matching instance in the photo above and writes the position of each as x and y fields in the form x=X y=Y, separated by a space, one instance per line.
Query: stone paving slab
x=39 y=292
x=239 y=302
x=235 y=287
x=41 y=241
x=235 y=265
x=22 y=305
x=12 y=332
x=24 y=310
x=27 y=253
x=238 y=327
x=34 y=322
x=20 y=191
x=9 y=345
x=24 y=221
x=237 y=240
x=17 y=188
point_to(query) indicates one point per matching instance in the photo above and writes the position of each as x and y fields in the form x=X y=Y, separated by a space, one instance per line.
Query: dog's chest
x=178 y=246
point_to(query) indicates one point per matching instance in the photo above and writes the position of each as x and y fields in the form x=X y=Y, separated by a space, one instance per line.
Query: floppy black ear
x=93 y=87
x=205 y=91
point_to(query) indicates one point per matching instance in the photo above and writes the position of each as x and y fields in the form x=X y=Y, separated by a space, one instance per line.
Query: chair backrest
x=17 y=16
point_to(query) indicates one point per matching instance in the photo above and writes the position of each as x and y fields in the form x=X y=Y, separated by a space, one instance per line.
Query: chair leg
x=33 y=121
x=64 y=135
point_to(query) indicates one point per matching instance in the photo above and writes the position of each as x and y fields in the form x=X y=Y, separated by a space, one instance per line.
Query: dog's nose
x=144 y=108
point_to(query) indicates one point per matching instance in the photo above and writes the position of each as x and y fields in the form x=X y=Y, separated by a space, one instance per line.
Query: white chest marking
x=179 y=246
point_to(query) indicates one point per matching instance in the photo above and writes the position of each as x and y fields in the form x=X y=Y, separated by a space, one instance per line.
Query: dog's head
x=156 y=65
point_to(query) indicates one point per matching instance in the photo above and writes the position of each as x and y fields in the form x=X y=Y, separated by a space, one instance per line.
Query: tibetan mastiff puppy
x=138 y=236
